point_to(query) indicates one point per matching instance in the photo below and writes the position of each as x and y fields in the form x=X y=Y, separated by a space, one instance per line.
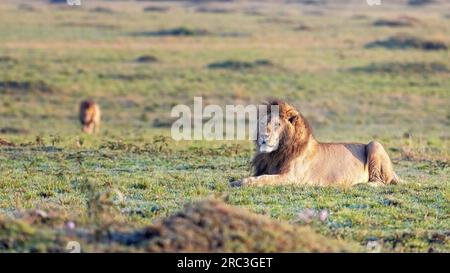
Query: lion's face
x=270 y=131
x=89 y=114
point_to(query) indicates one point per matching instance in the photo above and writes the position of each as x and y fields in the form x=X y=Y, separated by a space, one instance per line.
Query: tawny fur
x=301 y=159
x=4 y=142
x=90 y=116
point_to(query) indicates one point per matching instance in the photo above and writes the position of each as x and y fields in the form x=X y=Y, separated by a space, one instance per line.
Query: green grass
x=127 y=178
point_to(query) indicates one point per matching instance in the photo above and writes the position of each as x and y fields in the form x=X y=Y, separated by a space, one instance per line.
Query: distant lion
x=287 y=152
x=90 y=116
x=4 y=142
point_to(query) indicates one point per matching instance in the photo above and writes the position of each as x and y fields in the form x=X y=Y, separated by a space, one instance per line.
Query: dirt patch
x=405 y=41
x=239 y=65
x=402 y=21
x=401 y=68
x=213 y=226
x=25 y=87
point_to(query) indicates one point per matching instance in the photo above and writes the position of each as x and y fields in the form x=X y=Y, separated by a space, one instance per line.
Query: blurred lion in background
x=90 y=116
x=287 y=152
x=4 y=142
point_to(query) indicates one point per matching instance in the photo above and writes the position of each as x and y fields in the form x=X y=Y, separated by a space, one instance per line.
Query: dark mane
x=87 y=103
x=293 y=142
x=84 y=106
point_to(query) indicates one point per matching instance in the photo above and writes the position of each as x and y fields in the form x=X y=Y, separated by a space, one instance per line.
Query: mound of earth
x=207 y=226
x=213 y=226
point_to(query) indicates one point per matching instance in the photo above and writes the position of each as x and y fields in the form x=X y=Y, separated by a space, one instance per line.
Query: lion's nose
x=264 y=138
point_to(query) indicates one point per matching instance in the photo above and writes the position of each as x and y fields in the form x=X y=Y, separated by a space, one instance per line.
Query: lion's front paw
x=244 y=182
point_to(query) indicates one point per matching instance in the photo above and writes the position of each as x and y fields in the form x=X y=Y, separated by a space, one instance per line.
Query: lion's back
x=338 y=163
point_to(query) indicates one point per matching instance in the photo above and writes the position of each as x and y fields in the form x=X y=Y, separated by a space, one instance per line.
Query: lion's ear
x=293 y=118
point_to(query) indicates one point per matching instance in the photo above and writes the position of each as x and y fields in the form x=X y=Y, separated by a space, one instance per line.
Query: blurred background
x=380 y=70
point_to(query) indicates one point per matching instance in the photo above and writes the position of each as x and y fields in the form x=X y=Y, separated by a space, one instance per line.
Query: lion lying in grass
x=287 y=152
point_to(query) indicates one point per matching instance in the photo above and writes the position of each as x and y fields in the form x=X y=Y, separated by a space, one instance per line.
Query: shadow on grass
x=239 y=65
x=402 y=21
x=405 y=41
x=156 y=9
x=146 y=59
x=13 y=130
x=186 y=32
x=180 y=31
x=402 y=68
x=26 y=87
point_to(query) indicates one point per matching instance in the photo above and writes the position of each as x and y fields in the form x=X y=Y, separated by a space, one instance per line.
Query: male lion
x=287 y=152
x=4 y=142
x=90 y=116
